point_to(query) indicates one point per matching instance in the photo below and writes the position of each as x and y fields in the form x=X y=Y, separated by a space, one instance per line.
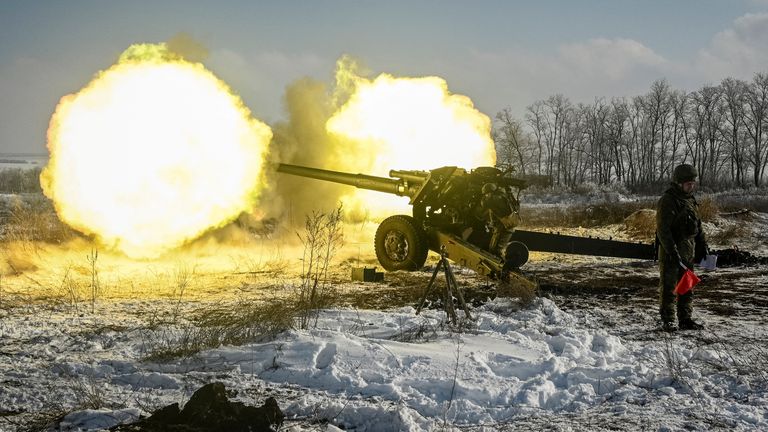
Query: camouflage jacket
x=678 y=227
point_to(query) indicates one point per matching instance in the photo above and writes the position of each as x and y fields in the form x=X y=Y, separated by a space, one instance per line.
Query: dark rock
x=166 y=415
x=209 y=410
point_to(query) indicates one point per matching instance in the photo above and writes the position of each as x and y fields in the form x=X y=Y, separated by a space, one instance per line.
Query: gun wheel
x=515 y=255
x=401 y=244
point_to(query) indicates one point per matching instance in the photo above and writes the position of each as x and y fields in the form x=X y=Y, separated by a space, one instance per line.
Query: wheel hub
x=396 y=246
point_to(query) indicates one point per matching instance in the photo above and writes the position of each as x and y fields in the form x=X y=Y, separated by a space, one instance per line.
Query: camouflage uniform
x=681 y=239
x=498 y=212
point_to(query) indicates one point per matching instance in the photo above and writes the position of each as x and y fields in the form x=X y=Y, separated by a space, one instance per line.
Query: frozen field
x=585 y=355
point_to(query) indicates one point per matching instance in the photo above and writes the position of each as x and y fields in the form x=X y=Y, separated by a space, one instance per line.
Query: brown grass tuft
x=517 y=287
x=641 y=224
x=708 y=208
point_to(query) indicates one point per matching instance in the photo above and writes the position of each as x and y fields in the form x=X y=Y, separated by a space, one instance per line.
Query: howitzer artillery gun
x=470 y=216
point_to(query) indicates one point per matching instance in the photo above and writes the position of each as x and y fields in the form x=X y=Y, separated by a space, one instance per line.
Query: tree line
x=720 y=129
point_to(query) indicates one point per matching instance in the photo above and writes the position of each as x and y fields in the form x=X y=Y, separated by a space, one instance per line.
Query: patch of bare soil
x=402 y=288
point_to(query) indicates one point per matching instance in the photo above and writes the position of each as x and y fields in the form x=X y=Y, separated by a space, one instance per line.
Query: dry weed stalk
x=94 y=272
x=322 y=238
x=183 y=277
x=69 y=289
x=459 y=344
x=673 y=361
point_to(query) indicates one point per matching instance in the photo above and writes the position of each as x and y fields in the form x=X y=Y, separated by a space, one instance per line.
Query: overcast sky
x=499 y=53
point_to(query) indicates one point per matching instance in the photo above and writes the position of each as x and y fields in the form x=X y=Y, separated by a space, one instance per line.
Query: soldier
x=499 y=214
x=679 y=235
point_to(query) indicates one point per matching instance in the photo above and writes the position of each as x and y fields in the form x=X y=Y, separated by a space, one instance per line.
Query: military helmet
x=489 y=187
x=684 y=173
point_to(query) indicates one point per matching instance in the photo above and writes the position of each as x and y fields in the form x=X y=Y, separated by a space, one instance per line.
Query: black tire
x=401 y=244
x=515 y=255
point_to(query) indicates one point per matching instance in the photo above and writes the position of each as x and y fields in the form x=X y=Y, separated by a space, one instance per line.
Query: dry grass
x=518 y=287
x=211 y=327
x=708 y=208
x=641 y=224
x=34 y=220
x=726 y=235
x=581 y=215
x=755 y=200
x=71 y=392
x=18 y=257
x=634 y=214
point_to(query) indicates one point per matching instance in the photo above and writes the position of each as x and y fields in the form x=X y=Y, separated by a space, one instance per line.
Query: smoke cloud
x=304 y=140
x=187 y=47
x=371 y=125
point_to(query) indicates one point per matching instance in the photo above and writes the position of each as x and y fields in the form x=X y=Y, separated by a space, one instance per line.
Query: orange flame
x=152 y=153
x=406 y=123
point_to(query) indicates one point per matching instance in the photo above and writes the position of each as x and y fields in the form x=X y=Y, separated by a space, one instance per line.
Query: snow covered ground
x=585 y=355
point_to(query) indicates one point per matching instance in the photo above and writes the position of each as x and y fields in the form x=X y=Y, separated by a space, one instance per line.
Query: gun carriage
x=470 y=216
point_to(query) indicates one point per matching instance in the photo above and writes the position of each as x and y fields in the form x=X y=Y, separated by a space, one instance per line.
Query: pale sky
x=499 y=53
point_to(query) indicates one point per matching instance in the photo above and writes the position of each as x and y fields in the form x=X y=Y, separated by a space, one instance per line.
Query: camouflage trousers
x=670 y=273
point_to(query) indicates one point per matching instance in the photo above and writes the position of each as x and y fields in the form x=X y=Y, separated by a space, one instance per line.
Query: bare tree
x=556 y=117
x=509 y=138
x=734 y=97
x=598 y=152
x=637 y=141
x=617 y=140
x=535 y=119
x=679 y=101
x=754 y=120
x=657 y=109
x=704 y=140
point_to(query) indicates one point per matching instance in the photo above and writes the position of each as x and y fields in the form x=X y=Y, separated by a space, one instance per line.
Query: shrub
x=322 y=238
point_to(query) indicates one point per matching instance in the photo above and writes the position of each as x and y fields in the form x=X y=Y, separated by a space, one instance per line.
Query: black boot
x=689 y=324
x=669 y=327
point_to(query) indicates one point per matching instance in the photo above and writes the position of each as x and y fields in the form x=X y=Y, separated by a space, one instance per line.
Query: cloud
x=601 y=67
x=609 y=58
x=582 y=71
x=738 y=51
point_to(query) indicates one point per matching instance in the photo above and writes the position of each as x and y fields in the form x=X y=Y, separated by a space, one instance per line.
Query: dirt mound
x=735 y=258
x=641 y=223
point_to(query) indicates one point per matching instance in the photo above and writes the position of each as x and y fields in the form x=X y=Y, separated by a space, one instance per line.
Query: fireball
x=152 y=153
x=406 y=123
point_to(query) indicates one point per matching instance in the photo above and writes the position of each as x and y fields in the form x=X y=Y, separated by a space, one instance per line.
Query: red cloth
x=687 y=282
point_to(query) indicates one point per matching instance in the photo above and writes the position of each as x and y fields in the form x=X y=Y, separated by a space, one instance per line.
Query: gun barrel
x=361 y=181
x=410 y=175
